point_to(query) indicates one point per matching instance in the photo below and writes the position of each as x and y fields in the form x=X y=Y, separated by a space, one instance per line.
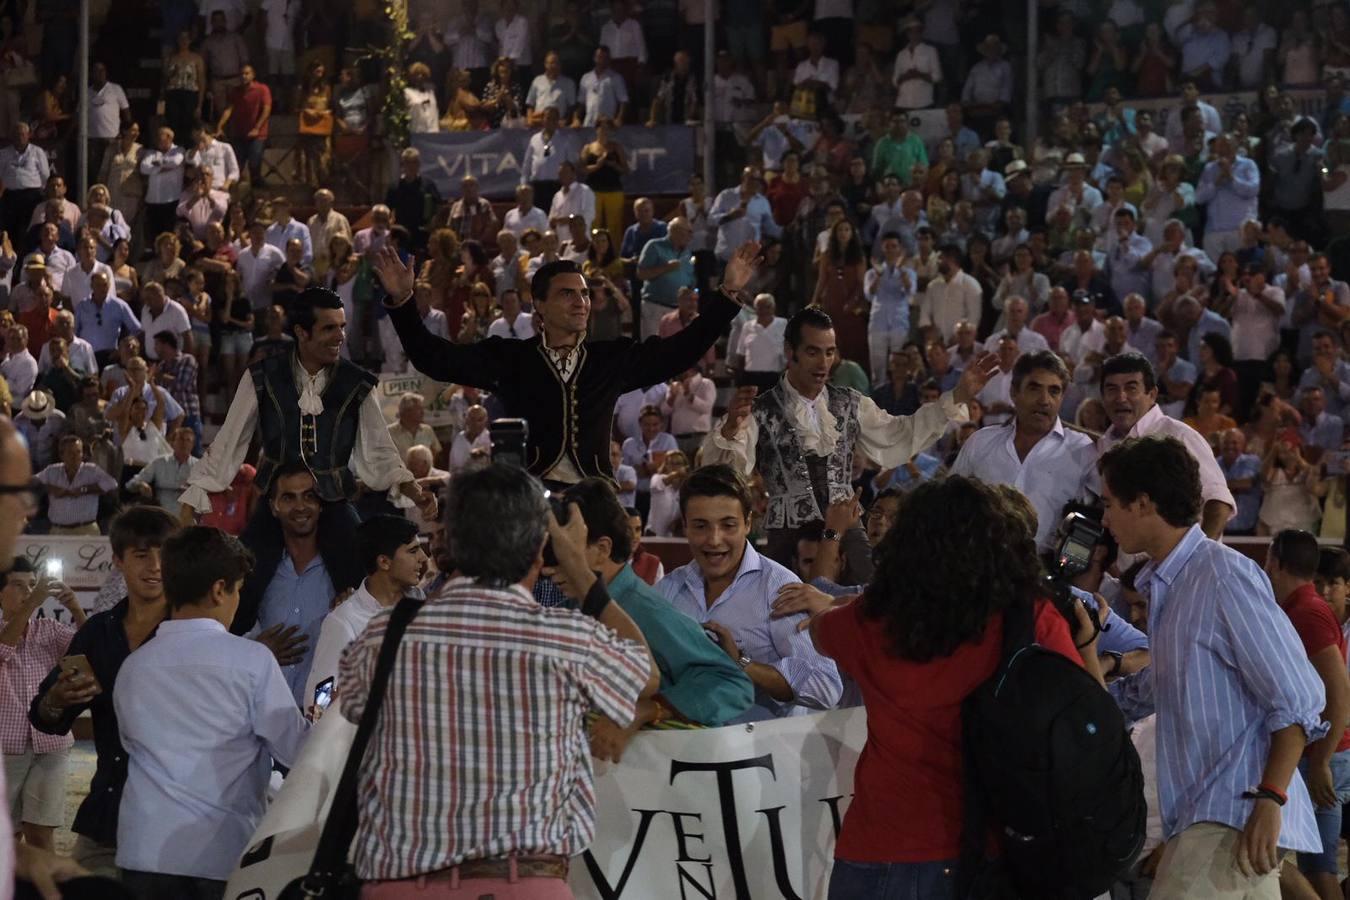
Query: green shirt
x=892 y=157
x=850 y=374
x=697 y=678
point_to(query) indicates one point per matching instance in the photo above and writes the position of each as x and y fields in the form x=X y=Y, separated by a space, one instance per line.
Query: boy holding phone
x=35 y=763
x=202 y=714
x=106 y=640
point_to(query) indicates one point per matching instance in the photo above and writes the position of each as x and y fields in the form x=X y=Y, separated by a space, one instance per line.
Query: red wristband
x=1284 y=798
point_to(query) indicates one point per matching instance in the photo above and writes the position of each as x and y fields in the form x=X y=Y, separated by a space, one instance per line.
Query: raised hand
x=396 y=276
x=739 y=410
x=742 y=267
x=975 y=377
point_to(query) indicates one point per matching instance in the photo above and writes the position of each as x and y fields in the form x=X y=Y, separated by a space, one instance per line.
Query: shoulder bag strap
x=340 y=827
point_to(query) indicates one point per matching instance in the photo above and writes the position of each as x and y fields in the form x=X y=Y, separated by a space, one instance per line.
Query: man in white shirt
x=603 y=92
x=470 y=40
x=688 y=406
x=79 y=351
x=512 y=31
x=1162 y=259
x=1015 y=313
x=572 y=199
x=159 y=313
x=166 y=476
x=162 y=167
x=733 y=94
x=1253 y=50
x=917 y=69
x=758 y=349
x=285 y=229
x=552 y=89
x=622 y=34
x=817 y=70
x=514 y=323
x=525 y=214
x=56 y=261
x=24 y=170
x=258 y=263
x=545 y=153
x=410 y=430
x=1075 y=194
x=1143 y=331
x=1086 y=335
x=472 y=448
x=20 y=369
x=108 y=112
x=1034 y=452
x=217 y=155
x=508 y=266
x=395 y=562
x=951 y=297
x=1130 y=394
x=1190 y=96
x=326 y=224
x=197 y=770
x=75 y=281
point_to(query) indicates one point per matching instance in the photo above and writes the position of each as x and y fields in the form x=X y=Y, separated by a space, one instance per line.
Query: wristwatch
x=744 y=661
x=829 y=534
x=1115 y=663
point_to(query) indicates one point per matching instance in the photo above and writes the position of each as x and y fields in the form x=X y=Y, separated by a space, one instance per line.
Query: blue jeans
x=893 y=881
x=1328 y=820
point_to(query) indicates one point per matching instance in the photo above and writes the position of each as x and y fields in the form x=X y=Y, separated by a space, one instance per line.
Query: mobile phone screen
x=54 y=569
x=323 y=693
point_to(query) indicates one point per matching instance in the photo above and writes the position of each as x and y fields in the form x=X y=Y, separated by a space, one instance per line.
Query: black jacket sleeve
x=660 y=359
x=78 y=645
x=477 y=365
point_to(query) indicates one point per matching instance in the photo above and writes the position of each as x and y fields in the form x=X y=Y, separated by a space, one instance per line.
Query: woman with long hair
x=916 y=652
x=316 y=125
x=473 y=324
x=441 y=266
x=602 y=261
x=126 y=282
x=1216 y=372
x=121 y=172
x=52 y=111
x=944 y=161
x=609 y=306
x=463 y=111
x=604 y=164
x=474 y=269
x=1223 y=289
x=839 y=291
x=502 y=98
x=1023 y=281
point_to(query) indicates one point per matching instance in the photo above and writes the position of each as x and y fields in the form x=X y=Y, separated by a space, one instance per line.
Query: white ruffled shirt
x=375 y=459
x=887 y=439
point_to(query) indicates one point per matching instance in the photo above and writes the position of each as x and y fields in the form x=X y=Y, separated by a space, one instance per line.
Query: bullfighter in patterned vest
x=800 y=436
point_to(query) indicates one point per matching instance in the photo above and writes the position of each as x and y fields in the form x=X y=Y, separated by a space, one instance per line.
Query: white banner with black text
x=745 y=811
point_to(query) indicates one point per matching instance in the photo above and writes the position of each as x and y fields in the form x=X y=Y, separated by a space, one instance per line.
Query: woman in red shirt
x=925 y=634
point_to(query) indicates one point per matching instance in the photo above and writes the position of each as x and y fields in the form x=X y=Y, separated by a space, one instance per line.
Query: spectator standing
x=197 y=774
x=225 y=54
x=1130 y=394
x=689 y=405
x=918 y=70
x=248 y=117
x=550 y=89
x=472 y=447
x=1296 y=182
x=545 y=155
x=952 y=297
x=665 y=266
x=525 y=215
x=741 y=214
x=469 y=38
x=285 y=229
x=413 y=199
x=729 y=588
x=1230 y=186
x=162 y=314
x=73 y=490
x=106 y=640
x=178 y=375
x=35 y=763
x=648 y=451
x=889 y=287
x=604 y=163
x=163 y=171
x=987 y=93
x=603 y=92
x=394 y=561
x=326 y=224
x=109 y=111
x=1152 y=490
x=471 y=216
x=572 y=198
x=258 y=264
x=623 y=36
x=1243 y=471
x=104 y=319
x=496 y=521
x=411 y=429
x=24 y=170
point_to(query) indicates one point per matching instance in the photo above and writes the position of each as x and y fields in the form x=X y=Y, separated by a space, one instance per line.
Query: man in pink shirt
x=677 y=320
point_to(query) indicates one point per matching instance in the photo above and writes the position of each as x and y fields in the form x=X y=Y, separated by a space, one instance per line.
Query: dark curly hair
x=1160 y=467
x=958 y=556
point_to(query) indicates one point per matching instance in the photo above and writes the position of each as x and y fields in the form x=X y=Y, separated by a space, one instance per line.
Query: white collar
x=813 y=421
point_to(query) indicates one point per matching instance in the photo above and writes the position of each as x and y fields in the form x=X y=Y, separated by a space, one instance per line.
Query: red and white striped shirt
x=22 y=669
x=481 y=747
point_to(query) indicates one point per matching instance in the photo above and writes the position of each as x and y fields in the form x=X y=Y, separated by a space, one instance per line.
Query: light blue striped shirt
x=1231 y=203
x=1227 y=671
x=744 y=608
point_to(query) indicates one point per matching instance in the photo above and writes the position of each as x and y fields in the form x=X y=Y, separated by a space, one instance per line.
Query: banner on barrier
x=662 y=158
x=436 y=397
x=86 y=563
x=746 y=811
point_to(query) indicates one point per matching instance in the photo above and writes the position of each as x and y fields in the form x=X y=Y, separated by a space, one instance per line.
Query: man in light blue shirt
x=1204 y=49
x=202 y=714
x=1320 y=430
x=1202 y=321
x=1243 y=471
x=889 y=287
x=1229 y=188
x=283 y=229
x=1236 y=699
x=104 y=319
x=730 y=589
x=741 y=214
x=1329 y=372
x=1125 y=254
x=551 y=89
x=665 y=267
x=603 y=93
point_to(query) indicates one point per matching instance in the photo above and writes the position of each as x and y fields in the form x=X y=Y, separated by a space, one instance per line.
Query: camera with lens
x=1079 y=536
x=510 y=437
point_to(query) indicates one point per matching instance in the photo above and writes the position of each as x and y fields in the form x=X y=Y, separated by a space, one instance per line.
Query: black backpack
x=1050 y=766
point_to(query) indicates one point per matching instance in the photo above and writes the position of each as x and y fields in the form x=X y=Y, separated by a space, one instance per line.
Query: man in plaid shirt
x=479 y=772
x=178 y=376
x=35 y=763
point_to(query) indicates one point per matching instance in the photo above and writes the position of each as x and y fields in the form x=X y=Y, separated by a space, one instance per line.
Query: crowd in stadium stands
x=1169 y=255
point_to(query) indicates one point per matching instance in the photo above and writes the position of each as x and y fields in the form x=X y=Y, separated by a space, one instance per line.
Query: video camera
x=510 y=438
x=1079 y=536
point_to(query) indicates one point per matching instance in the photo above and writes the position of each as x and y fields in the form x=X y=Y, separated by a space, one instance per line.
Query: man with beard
x=1034 y=452
x=1130 y=394
x=800 y=436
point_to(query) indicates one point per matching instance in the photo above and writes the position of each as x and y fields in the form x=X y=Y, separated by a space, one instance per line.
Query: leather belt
x=525 y=866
